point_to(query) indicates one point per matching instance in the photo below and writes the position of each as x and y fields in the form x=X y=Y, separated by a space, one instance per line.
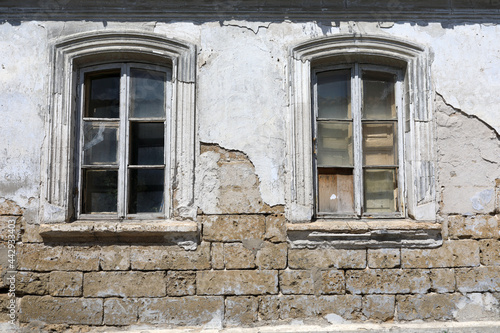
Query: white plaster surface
x=242 y=88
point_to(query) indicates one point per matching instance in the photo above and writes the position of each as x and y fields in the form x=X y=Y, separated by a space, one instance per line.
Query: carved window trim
x=87 y=49
x=419 y=134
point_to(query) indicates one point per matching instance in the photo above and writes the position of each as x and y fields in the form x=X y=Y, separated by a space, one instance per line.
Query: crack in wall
x=468 y=115
x=246 y=27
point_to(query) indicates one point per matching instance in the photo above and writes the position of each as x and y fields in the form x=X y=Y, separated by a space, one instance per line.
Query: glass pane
x=334 y=94
x=378 y=96
x=146 y=143
x=146 y=191
x=381 y=191
x=147 y=93
x=100 y=191
x=335 y=191
x=100 y=142
x=380 y=144
x=103 y=95
x=334 y=144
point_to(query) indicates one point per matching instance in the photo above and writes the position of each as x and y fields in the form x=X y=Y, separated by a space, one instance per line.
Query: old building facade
x=230 y=164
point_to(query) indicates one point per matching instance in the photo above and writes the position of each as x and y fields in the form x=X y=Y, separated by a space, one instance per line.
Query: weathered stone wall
x=243 y=271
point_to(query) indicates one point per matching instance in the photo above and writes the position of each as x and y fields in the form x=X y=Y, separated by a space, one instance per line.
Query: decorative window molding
x=58 y=169
x=419 y=155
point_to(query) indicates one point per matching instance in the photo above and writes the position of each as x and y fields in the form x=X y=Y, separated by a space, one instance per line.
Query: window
x=366 y=103
x=120 y=143
x=357 y=144
x=123 y=160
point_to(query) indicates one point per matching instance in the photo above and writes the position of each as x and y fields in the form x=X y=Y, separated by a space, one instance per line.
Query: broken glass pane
x=146 y=143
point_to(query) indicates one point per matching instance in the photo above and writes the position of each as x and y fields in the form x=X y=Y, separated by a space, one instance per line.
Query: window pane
x=335 y=191
x=100 y=141
x=380 y=144
x=146 y=191
x=146 y=143
x=381 y=191
x=103 y=95
x=334 y=94
x=100 y=191
x=378 y=96
x=334 y=144
x=147 y=93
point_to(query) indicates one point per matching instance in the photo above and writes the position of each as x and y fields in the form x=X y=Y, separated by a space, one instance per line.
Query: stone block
x=275 y=228
x=4 y=310
x=330 y=282
x=9 y=207
x=241 y=310
x=388 y=281
x=5 y=265
x=28 y=283
x=309 y=306
x=38 y=257
x=326 y=258
x=149 y=258
x=384 y=258
x=272 y=256
x=237 y=256
x=459 y=253
x=120 y=311
x=114 y=258
x=296 y=282
x=66 y=284
x=189 y=310
x=237 y=282
x=489 y=251
x=231 y=228
x=124 y=284
x=442 y=280
x=427 y=307
x=478 y=279
x=61 y=310
x=480 y=226
x=269 y=307
x=217 y=255
x=379 y=307
x=10 y=228
x=181 y=283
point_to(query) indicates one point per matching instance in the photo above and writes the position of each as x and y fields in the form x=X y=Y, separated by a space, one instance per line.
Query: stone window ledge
x=154 y=231
x=364 y=234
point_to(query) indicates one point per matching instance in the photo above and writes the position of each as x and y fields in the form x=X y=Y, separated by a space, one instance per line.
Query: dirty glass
x=334 y=94
x=100 y=191
x=380 y=190
x=147 y=93
x=380 y=144
x=378 y=96
x=334 y=144
x=100 y=143
x=103 y=95
x=146 y=191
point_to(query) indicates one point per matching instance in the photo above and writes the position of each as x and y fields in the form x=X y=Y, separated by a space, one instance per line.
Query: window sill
x=364 y=234
x=183 y=233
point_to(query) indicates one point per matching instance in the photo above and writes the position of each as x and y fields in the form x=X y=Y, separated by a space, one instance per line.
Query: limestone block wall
x=244 y=269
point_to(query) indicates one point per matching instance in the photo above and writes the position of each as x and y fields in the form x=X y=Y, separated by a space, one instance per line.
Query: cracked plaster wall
x=242 y=88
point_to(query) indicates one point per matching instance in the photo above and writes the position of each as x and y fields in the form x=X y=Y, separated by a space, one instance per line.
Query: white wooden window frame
x=124 y=141
x=418 y=137
x=356 y=94
x=60 y=163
